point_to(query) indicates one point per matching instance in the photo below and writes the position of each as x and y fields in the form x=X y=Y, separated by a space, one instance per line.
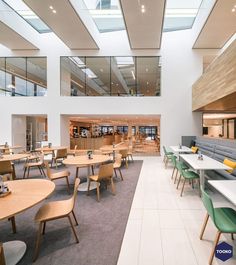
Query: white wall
x=181 y=66
x=19 y=130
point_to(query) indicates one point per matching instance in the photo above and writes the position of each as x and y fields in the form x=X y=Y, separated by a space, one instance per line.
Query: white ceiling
x=12 y=40
x=65 y=23
x=144 y=29
x=219 y=27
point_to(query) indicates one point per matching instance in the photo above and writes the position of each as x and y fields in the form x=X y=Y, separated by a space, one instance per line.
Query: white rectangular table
x=226 y=187
x=201 y=165
x=184 y=149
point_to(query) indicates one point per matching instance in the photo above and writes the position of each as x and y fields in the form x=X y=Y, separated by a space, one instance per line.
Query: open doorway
x=95 y=131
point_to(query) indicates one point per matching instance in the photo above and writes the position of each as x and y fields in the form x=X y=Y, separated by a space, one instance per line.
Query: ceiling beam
x=144 y=29
x=65 y=23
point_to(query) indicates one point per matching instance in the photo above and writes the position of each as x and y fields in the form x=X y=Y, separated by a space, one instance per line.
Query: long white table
x=226 y=187
x=183 y=149
x=201 y=165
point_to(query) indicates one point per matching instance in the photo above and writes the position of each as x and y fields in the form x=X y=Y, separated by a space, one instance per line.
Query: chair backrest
x=2 y=258
x=48 y=170
x=164 y=149
x=194 y=149
x=179 y=166
x=61 y=153
x=173 y=160
x=5 y=167
x=73 y=198
x=124 y=153
x=6 y=151
x=75 y=148
x=206 y=199
x=118 y=159
x=105 y=171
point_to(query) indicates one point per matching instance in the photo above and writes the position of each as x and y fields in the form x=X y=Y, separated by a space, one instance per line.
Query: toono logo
x=224 y=251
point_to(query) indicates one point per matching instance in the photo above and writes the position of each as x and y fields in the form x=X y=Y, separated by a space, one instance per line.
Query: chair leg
x=28 y=172
x=73 y=229
x=68 y=184
x=121 y=174
x=98 y=192
x=25 y=169
x=182 y=188
x=88 y=186
x=113 y=187
x=214 y=247
x=40 y=170
x=178 y=181
x=115 y=172
x=204 y=225
x=232 y=236
x=36 y=252
x=13 y=172
x=74 y=217
x=126 y=162
x=43 y=171
x=44 y=228
x=173 y=173
x=92 y=169
x=77 y=172
x=176 y=175
x=13 y=224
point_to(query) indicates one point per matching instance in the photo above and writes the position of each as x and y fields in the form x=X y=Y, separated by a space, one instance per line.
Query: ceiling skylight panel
x=28 y=15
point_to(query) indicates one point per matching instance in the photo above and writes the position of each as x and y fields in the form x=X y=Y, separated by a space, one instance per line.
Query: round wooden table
x=110 y=148
x=14 y=157
x=83 y=160
x=50 y=149
x=24 y=194
x=3 y=147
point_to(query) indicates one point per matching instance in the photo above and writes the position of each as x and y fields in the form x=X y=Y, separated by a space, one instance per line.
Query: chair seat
x=53 y=210
x=116 y=165
x=94 y=177
x=33 y=164
x=188 y=174
x=225 y=220
x=169 y=153
x=183 y=165
x=60 y=174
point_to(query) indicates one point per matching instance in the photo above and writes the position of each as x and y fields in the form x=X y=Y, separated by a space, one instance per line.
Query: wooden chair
x=130 y=153
x=61 y=154
x=7 y=168
x=124 y=156
x=105 y=173
x=73 y=151
x=55 y=210
x=39 y=163
x=2 y=258
x=58 y=175
x=117 y=165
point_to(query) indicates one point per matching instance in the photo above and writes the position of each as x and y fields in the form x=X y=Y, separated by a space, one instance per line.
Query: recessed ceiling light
x=142 y=6
x=233 y=10
x=147 y=82
x=54 y=11
x=143 y=10
x=146 y=69
x=51 y=7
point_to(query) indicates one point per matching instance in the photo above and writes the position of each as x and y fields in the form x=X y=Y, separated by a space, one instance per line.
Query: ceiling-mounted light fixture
x=51 y=7
x=54 y=11
x=143 y=9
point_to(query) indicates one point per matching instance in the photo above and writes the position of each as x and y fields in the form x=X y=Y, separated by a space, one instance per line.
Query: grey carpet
x=101 y=225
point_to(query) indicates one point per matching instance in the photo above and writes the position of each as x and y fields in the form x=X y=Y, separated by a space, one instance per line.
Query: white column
x=54 y=128
x=5 y=127
x=65 y=131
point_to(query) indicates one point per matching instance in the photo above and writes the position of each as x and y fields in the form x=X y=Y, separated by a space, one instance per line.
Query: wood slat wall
x=218 y=81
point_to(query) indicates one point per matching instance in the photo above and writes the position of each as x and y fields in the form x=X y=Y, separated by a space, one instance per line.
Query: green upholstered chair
x=187 y=175
x=223 y=218
x=180 y=166
x=167 y=156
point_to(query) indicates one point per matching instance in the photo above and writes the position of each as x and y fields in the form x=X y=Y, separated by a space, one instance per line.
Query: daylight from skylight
x=28 y=15
x=106 y=14
x=180 y=14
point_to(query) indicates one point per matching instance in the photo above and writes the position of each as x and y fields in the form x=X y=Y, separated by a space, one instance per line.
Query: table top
x=226 y=188
x=52 y=148
x=10 y=147
x=14 y=157
x=207 y=163
x=111 y=148
x=83 y=160
x=24 y=194
x=185 y=149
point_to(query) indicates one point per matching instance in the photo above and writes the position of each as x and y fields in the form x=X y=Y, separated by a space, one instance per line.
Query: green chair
x=180 y=166
x=173 y=161
x=223 y=218
x=167 y=156
x=187 y=175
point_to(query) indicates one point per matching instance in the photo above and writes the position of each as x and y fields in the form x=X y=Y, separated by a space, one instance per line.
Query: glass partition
x=23 y=76
x=111 y=76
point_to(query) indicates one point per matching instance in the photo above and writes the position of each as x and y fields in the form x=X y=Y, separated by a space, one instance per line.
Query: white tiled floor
x=163 y=228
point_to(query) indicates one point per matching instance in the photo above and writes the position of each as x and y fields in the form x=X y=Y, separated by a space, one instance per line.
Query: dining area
x=42 y=186
x=191 y=165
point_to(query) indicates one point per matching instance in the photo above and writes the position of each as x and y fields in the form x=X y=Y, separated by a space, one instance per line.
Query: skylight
x=106 y=14
x=180 y=14
x=28 y=15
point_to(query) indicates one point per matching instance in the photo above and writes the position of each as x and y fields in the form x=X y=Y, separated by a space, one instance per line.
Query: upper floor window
x=23 y=76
